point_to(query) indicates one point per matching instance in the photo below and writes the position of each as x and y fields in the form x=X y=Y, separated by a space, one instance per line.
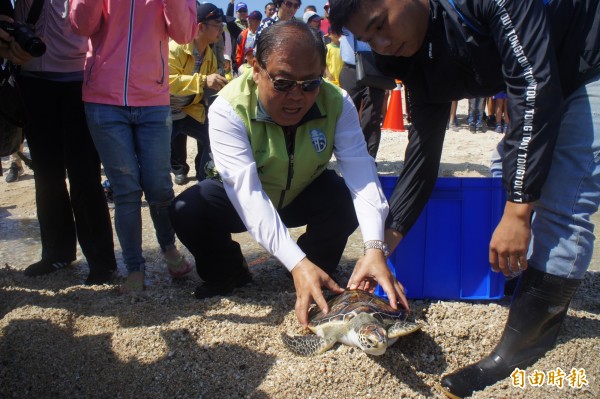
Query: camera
x=25 y=37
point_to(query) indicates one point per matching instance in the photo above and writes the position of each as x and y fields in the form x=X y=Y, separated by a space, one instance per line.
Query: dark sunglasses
x=290 y=4
x=284 y=85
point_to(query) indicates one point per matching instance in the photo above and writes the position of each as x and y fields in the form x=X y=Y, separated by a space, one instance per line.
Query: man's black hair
x=278 y=3
x=272 y=38
x=340 y=12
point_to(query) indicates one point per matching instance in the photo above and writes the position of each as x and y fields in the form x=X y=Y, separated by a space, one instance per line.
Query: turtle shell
x=346 y=306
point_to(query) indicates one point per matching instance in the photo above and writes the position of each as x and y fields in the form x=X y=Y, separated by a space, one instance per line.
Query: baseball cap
x=209 y=11
x=241 y=5
x=227 y=57
x=326 y=6
x=255 y=15
x=310 y=15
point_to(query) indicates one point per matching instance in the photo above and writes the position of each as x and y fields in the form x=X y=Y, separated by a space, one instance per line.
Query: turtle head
x=372 y=339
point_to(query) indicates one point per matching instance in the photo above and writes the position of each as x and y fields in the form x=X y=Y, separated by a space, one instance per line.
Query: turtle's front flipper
x=402 y=328
x=307 y=345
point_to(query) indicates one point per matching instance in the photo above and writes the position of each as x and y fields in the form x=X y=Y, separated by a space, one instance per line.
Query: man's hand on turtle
x=308 y=280
x=371 y=270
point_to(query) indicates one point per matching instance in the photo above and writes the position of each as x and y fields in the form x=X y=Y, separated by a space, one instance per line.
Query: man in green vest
x=273 y=131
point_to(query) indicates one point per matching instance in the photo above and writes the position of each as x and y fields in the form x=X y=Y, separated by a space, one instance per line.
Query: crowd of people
x=120 y=110
x=270 y=99
x=495 y=119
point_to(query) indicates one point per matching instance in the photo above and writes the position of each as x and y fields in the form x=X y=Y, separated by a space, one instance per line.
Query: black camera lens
x=25 y=37
x=34 y=46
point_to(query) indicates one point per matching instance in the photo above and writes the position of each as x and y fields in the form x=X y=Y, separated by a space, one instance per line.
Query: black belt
x=350 y=66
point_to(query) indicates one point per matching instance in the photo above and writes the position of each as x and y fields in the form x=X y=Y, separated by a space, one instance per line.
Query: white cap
x=227 y=57
x=308 y=15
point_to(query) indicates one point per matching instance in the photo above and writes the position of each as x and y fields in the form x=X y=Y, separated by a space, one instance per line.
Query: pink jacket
x=128 y=53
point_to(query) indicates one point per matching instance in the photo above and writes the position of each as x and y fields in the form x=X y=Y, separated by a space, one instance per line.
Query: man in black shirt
x=547 y=54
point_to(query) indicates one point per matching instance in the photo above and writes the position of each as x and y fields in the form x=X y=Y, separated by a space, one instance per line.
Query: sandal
x=133 y=284
x=178 y=267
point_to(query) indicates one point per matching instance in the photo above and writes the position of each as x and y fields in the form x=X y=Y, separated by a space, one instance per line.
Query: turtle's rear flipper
x=402 y=328
x=306 y=345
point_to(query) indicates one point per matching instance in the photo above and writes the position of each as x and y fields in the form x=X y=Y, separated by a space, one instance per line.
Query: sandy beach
x=61 y=339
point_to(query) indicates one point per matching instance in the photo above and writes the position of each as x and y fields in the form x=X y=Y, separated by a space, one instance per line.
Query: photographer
x=9 y=48
x=61 y=146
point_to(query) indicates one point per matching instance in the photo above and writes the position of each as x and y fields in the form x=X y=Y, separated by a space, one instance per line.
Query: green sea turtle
x=356 y=318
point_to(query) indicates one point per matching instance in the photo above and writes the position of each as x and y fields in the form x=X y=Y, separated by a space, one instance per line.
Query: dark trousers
x=61 y=146
x=204 y=219
x=371 y=100
x=182 y=128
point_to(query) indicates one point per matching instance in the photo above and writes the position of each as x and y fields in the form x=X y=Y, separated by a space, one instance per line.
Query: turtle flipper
x=402 y=328
x=307 y=345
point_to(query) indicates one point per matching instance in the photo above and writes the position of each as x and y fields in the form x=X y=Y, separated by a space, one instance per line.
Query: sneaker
x=481 y=128
x=224 y=288
x=181 y=179
x=498 y=128
x=45 y=267
x=472 y=129
x=505 y=128
x=454 y=126
x=99 y=277
x=108 y=193
x=14 y=172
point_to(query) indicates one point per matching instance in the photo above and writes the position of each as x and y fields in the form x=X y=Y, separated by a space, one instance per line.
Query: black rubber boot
x=538 y=308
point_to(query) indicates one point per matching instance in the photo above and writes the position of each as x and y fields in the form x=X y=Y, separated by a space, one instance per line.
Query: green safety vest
x=284 y=176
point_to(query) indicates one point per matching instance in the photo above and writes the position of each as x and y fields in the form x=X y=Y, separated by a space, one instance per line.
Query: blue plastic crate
x=445 y=254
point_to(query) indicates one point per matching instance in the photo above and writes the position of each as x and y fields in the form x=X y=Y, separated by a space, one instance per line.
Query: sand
x=59 y=338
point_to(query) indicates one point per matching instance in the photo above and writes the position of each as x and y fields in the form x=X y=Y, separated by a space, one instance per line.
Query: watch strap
x=377 y=244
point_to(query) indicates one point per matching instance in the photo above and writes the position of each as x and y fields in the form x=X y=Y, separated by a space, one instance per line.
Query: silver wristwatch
x=377 y=244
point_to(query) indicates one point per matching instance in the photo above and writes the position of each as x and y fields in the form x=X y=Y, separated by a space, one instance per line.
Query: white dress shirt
x=235 y=163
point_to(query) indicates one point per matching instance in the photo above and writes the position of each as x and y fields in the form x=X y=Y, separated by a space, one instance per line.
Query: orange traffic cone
x=394 y=118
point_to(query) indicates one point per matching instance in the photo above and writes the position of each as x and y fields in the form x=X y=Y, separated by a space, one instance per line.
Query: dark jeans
x=204 y=218
x=182 y=128
x=372 y=102
x=61 y=146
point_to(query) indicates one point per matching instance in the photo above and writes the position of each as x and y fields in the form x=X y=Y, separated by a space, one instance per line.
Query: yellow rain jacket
x=182 y=80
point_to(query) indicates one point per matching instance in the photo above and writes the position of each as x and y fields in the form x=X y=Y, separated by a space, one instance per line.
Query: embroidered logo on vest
x=319 y=141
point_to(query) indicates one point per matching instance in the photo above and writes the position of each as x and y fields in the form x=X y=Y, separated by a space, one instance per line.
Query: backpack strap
x=35 y=11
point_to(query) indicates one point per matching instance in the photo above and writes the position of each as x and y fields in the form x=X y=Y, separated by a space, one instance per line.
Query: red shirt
x=325 y=26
